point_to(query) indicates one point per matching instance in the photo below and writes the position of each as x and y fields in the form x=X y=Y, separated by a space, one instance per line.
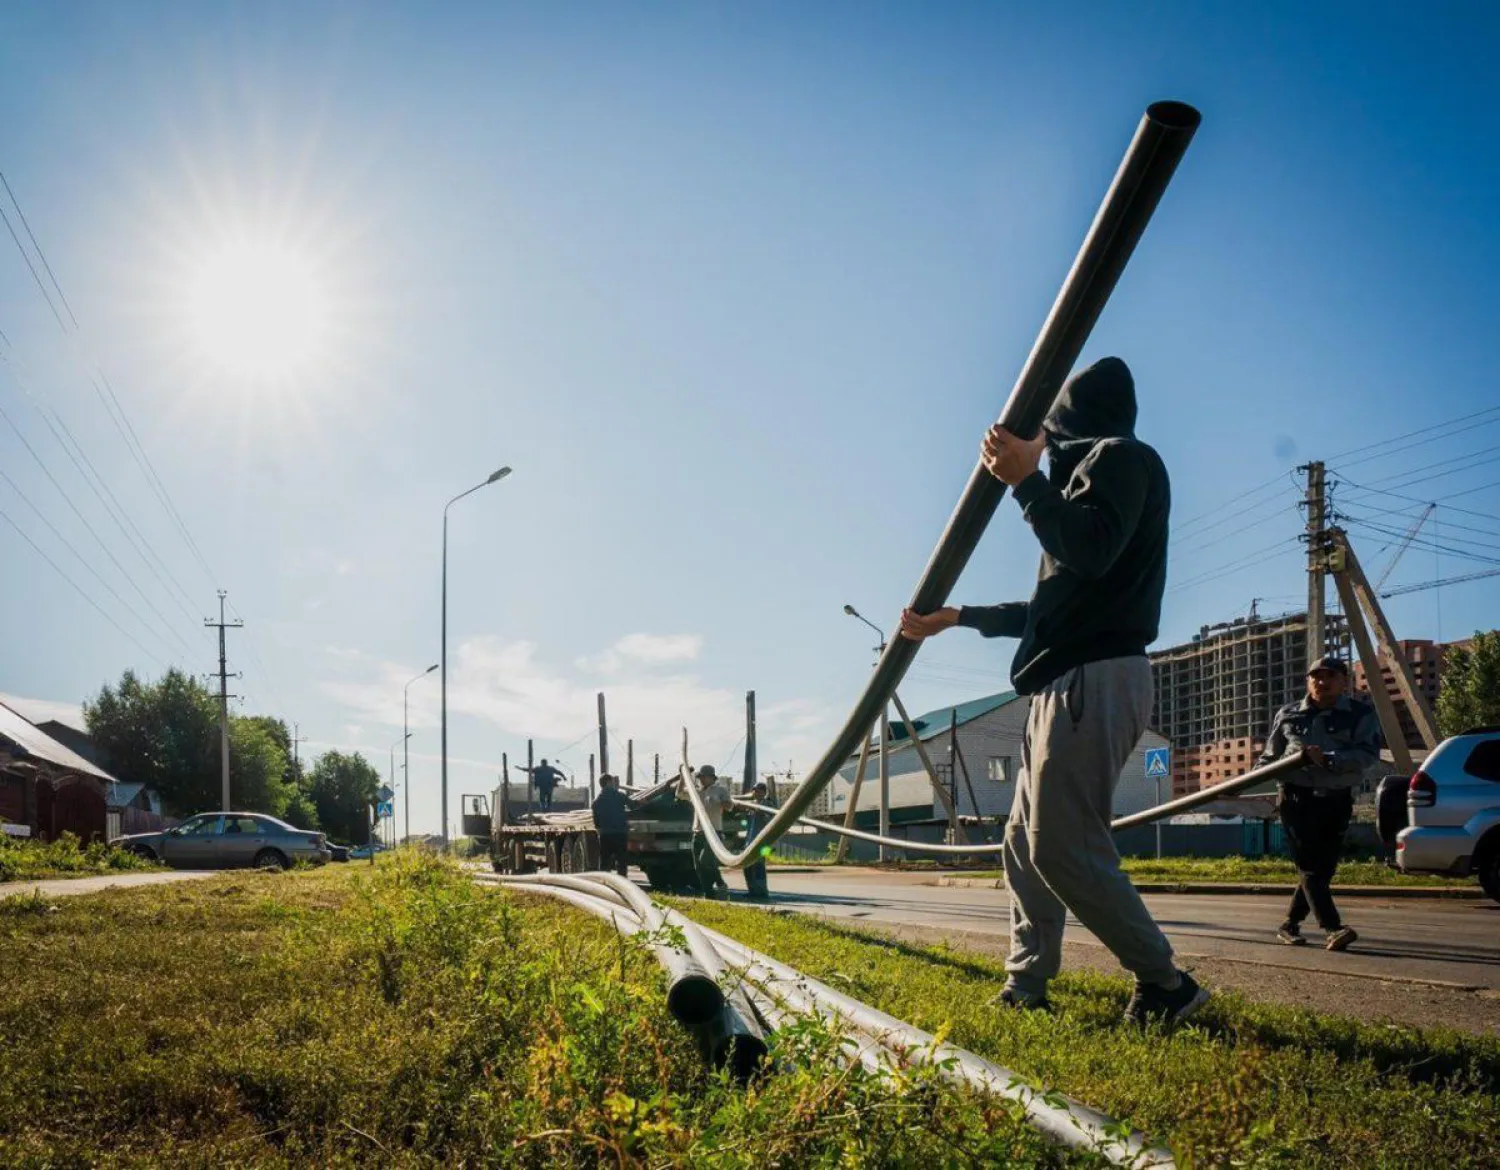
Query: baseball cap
x=1329 y=662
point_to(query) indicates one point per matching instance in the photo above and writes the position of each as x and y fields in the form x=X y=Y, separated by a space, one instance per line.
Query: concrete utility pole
x=224 y=695
x=603 y=738
x=630 y=763
x=530 y=772
x=842 y=853
x=1317 y=516
x=750 y=762
x=297 y=737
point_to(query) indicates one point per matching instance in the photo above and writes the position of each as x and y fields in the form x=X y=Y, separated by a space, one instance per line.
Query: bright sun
x=258 y=310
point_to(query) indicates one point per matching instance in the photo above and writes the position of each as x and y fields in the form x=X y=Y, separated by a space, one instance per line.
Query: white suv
x=1452 y=810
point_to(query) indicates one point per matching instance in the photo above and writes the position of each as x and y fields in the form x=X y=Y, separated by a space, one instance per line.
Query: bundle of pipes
x=727 y=994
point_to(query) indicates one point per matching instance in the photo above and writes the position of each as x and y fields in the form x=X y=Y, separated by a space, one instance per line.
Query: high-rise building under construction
x=1216 y=695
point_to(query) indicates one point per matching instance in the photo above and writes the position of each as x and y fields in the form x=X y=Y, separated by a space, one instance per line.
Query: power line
x=92 y=532
x=66 y=543
x=1488 y=416
x=113 y=407
x=127 y=634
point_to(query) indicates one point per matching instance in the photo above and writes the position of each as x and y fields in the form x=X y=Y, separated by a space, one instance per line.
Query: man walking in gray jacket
x=1100 y=514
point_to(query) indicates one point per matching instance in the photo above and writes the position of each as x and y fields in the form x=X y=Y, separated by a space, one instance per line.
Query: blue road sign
x=1158 y=761
x=385 y=809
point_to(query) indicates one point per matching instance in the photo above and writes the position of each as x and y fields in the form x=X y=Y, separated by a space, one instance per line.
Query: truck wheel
x=578 y=847
x=519 y=862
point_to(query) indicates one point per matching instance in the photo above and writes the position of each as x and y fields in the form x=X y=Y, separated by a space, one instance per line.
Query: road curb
x=1226 y=888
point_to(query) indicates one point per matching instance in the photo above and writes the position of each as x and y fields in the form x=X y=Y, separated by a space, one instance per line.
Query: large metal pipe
x=1255 y=778
x=1159 y=143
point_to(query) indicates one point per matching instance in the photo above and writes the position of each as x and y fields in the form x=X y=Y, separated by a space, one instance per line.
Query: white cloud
x=643 y=649
x=650 y=694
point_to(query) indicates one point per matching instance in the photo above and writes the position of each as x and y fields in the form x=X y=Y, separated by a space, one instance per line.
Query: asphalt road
x=1445 y=943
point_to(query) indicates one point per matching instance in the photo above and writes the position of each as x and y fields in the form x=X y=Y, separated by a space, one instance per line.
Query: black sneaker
x=1012 y=998
x=1291 y=936
x=1340 y=939
x=1152 y=1001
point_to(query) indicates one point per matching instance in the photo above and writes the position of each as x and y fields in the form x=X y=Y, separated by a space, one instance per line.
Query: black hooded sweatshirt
x=1100 y=515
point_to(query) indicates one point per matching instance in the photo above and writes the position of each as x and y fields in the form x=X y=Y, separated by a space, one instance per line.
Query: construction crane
x=1403 y=544
x=1399 y=590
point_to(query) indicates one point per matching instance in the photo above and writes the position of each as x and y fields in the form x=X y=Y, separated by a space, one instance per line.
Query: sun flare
x=258 y=310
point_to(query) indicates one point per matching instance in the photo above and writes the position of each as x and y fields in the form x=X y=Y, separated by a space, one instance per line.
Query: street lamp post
x=495 y=477
x=406 y=745
x=885 y=774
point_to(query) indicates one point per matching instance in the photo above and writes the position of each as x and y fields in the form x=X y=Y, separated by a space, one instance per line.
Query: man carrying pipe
x=1100 y=514
x=1340 y=739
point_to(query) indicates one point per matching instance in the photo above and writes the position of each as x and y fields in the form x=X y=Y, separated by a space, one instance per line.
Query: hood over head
x=1095 y=403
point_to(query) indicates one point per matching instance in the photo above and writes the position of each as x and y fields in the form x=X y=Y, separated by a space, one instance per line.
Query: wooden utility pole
x=1317 y=558
x=224 y=696
x=530 y=772
x=630 y=763
x=959 y=838
x=504 y=789
x=842 y=853
x=1416 y=701
x=1390 y=724
x=591 y=778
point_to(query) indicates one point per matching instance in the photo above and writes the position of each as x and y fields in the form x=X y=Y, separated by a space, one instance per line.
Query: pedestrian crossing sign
x=385 y=809
x=1156 y=762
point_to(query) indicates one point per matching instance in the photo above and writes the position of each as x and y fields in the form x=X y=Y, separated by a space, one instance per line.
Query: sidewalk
x=1262 y=888
x=63 y=887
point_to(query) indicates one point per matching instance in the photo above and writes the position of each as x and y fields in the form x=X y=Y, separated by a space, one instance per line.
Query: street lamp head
x=431 y=668
x=851 y=611
x=499 y=475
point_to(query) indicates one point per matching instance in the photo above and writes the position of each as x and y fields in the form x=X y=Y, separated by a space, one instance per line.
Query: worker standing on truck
x=611 y=821
x=546 y=778
x=1340 y=735
x=1100 y=514
x=715 y=798
x=755 y=873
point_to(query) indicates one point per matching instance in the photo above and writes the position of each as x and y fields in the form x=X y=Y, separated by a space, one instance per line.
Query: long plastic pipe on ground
x=1072 y=1122
x=1160 y=140
x=883 y=1040
x=1251 y=779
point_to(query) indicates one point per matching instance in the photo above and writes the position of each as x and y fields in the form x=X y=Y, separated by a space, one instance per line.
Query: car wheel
x=270 y=859
x=1487 y=864
x=144 y=852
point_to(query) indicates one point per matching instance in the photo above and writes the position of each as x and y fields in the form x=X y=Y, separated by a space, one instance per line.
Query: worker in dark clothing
x=612 y=822
x=1340 y=736
x=1100 y=514
x=546 y=778
x=755 y=821
x=716 y=799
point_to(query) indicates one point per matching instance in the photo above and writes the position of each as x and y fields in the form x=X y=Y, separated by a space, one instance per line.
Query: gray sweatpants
x=1059 y=852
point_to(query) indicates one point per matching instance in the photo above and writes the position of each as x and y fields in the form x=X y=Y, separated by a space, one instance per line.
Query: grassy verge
x=1253 y=1085
x=397 y=1014
x=1254 y=870
x=25 y=860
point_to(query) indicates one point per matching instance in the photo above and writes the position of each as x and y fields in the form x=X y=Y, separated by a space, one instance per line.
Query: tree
x=343 y=786
x=166 y=734
x=1470 y=691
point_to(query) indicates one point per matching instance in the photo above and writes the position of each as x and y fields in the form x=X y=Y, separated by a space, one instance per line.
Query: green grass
x=401 y=1015
x=1252 y=870
x=1253 y=1085
x=26 y=860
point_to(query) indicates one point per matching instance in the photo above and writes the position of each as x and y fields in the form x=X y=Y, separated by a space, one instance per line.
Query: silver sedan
x=229 y=841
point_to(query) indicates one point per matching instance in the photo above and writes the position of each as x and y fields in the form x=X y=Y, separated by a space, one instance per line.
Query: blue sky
x=735 y=289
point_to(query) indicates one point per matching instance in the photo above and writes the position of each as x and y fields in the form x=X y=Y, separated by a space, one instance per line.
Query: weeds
x=26 y=860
